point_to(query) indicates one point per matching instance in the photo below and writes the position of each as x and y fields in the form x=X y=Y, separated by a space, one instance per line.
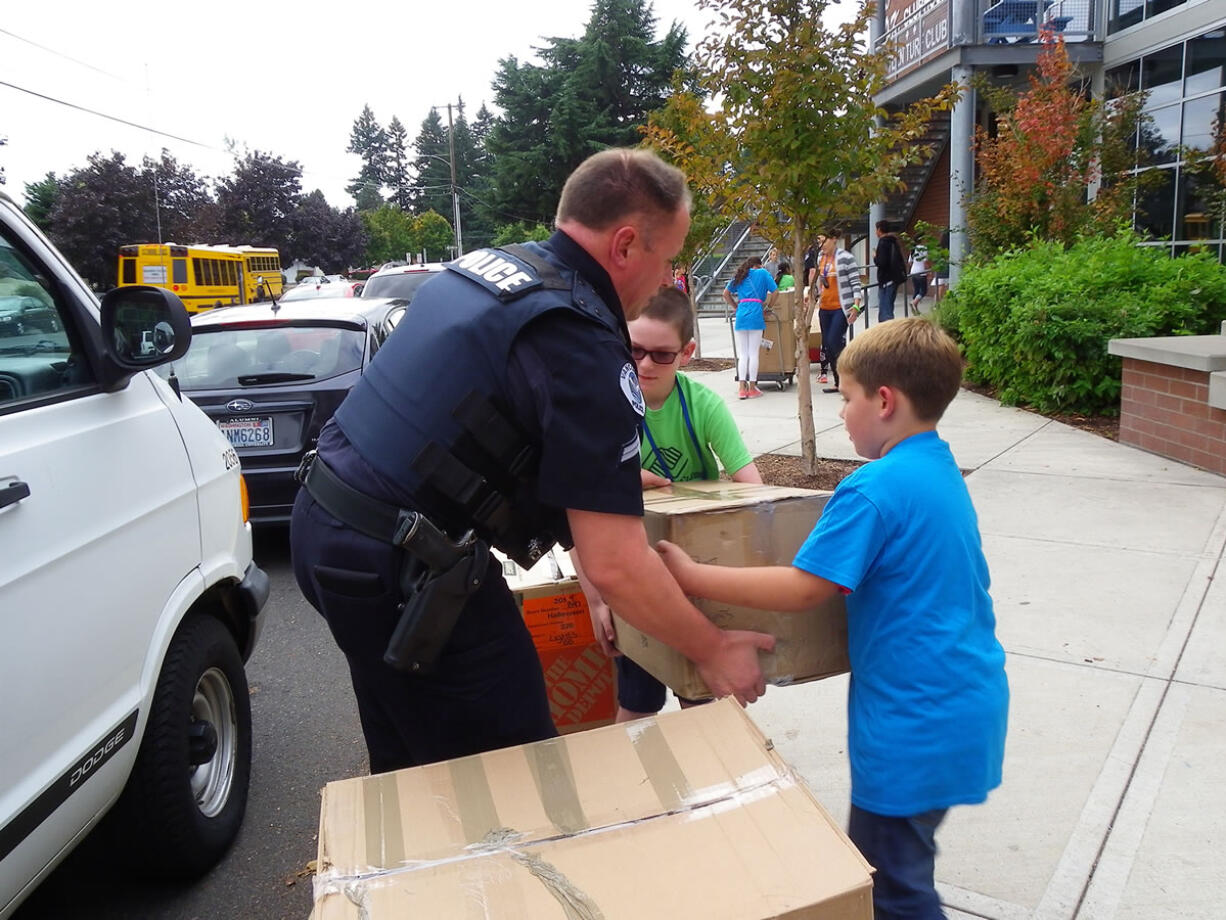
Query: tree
x=795 y=176
x=587 y=94
x=324 y=235
x=370 y=142
x=432 y=190
x=518 y=232
x=100 y=207
x=256 y=201
x=390 y=234
x=182 y=198
x=399 y=181
x=434 y=235
x=40 y=199
x=1052 y=143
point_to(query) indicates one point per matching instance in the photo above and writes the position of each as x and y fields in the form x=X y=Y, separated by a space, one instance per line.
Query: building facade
x=1175 y=50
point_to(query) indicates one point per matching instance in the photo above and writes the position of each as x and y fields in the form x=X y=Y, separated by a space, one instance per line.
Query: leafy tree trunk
x=801 y=318
x=759 y=161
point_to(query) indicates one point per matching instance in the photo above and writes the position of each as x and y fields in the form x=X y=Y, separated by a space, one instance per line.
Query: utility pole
x=455 y=192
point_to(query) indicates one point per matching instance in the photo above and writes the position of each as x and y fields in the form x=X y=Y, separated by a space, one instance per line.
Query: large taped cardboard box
x=580 y=679
x=689 y=814
x=734 y=523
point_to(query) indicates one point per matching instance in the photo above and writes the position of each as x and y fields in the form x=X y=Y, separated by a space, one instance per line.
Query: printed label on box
x=579 y=678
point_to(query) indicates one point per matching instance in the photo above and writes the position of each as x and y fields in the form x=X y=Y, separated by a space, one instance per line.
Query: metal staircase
x=900 y=207
x=714 y=268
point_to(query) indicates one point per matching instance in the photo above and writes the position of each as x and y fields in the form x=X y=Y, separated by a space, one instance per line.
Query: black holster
x=437 y=577
x=437 y=574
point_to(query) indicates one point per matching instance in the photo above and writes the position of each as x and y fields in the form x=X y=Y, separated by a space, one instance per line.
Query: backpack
x=898 y=262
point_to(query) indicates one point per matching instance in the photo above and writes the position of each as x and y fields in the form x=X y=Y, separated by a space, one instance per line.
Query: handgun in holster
x=436 y=580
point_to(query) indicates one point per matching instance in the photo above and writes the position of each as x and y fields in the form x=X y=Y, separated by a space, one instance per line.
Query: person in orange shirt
x=835 y=282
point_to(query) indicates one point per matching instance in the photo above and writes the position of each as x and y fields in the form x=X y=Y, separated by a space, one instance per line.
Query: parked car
x=271 y=376
x=20 y=314
x=316 y=291
x=129 y=600
x=400 y=280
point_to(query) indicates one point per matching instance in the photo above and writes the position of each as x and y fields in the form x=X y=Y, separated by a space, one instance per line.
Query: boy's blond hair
x=670 y=305
x=912 y=355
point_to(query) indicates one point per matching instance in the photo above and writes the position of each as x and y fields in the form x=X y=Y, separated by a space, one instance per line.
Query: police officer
x=503 y=411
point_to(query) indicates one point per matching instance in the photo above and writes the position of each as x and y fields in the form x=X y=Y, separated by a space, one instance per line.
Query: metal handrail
x=700 y=292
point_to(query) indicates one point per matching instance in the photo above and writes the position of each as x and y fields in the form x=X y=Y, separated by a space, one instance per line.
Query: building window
x=1125 y=13
x=1156 y=206
x=1185 y=102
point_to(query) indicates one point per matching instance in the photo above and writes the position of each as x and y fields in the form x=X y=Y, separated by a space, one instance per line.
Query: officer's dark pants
x=487 y=690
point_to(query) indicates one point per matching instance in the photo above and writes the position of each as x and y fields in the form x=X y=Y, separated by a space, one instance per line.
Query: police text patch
x=497 y=271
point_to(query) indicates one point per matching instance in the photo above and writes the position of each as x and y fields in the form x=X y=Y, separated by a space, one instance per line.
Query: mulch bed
x=710 y=364
x=781 y=470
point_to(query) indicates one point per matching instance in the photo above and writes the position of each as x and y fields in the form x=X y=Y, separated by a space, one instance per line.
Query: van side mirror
x=142 y=327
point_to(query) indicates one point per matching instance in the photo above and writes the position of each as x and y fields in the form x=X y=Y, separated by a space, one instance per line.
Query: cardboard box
x=689 y=814
x=580 y=679
x=779 y=338
x=733 y=523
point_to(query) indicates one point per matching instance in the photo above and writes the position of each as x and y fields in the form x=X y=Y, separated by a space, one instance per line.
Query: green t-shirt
x=714 y=428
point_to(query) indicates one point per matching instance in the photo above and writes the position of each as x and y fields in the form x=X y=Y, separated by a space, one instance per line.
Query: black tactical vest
x=429 y=413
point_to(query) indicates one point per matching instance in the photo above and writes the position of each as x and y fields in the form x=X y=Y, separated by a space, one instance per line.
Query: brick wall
x=1165 y=409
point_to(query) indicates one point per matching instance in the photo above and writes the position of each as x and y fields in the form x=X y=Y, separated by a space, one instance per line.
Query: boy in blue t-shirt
x=928 y=698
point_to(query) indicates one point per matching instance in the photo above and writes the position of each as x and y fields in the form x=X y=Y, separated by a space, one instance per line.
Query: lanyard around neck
x=689 y=426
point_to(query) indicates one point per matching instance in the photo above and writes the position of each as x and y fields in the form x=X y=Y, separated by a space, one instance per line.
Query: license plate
x=248 y=432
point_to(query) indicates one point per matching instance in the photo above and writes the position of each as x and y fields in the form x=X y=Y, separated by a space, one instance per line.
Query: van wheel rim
x=213 y=702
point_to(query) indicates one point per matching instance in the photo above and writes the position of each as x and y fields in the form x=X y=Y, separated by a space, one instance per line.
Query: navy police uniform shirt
x=571 y=387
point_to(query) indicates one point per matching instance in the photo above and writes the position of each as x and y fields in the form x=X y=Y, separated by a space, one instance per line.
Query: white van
x=129 y=601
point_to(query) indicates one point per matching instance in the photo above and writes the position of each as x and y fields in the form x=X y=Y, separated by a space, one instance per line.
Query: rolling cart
x=778 y=342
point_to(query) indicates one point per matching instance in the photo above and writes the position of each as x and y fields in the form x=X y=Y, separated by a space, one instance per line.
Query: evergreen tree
x=370 y=142
x=432 y=189
x=399 y=182
x=587 y=94
x=40 y=199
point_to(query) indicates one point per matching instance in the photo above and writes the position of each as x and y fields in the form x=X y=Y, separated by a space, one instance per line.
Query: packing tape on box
x=486 y=838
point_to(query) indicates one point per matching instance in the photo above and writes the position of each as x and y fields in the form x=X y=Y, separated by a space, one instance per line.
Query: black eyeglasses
x=659 y=357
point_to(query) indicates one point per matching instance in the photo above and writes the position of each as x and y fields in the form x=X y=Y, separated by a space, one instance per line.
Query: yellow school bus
x=204 y=277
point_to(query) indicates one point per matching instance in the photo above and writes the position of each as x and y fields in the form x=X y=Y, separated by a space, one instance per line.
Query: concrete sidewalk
x=1103 y=562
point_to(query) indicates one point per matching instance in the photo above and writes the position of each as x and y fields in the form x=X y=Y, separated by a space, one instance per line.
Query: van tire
x=181 y=818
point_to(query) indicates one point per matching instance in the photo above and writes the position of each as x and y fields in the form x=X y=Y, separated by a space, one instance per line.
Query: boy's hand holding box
x=741 y=524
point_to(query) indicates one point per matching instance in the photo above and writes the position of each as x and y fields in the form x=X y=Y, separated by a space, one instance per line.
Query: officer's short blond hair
x=912 y=355
x=612 y=185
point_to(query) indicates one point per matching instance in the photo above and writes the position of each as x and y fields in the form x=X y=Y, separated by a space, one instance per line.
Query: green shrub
x=1034 y=323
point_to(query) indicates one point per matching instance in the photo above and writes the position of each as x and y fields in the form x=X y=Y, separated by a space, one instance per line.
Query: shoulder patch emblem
x=630 y=388
x=497 y=271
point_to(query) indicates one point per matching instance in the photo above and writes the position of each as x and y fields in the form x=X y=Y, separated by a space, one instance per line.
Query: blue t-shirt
x=751 y=296
x=929 y=699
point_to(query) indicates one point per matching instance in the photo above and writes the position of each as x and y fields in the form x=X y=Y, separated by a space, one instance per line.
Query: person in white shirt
x=919 y=275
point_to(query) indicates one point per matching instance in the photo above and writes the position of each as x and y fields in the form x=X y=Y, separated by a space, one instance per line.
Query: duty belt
x=438 y=575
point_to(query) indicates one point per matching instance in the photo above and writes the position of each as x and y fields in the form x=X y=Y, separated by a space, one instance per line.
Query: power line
x=115 y=118
x=66 y=57
x=500 y=212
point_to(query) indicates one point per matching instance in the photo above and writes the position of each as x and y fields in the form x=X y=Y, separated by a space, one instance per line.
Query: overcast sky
x=288 y=79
